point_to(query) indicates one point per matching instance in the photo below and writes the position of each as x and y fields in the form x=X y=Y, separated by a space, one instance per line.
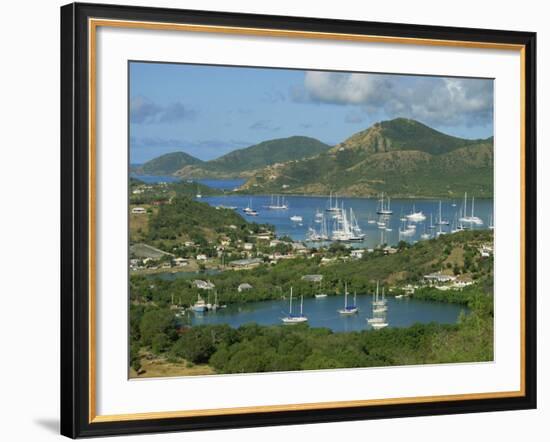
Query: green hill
x=241 y=162
x=168 y=163
x=186 y=219
x=267 y=153
x=401 y=157
x=403 y=134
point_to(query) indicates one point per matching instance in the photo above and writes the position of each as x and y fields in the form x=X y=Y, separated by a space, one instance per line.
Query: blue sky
x=208 y=111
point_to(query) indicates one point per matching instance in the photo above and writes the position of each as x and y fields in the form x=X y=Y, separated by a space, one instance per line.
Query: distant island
x=401 y=157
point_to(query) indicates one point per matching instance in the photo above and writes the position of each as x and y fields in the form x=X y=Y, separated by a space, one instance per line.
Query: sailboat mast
x=302 y=305
x=290 y=309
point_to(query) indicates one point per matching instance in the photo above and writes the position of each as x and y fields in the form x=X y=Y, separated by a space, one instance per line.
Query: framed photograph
x=274 y=220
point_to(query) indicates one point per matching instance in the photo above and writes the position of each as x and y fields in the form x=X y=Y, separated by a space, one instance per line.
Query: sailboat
x=378 y=319
x=295 y=319
x=379 y=306
x=472 y=219
x=319 y=217
x=425 y=235
x=279 y=204
x=458 y=227
x=441 y=221
x=249 y=211
x=384 y=209
x=215 y=306
x=440 y=232
x=415 y=216
x=198 y=195
x=320 y=294
x=321 y=235
x=349 y=309
x=347 y=228
x=200 y=305
x=431 y=226
x=407 y=230
x=376 y=300
x=333 y=207
x=491 y=225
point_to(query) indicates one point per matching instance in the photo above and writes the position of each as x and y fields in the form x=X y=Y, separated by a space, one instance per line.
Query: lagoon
x=322 y=312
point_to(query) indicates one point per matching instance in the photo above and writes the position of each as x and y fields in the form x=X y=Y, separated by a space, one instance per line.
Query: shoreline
x=225 y=192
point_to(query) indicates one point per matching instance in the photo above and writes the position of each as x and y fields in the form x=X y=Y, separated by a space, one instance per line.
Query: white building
x=244 y=286
x=138 y=210
x=180 y=262
x=439 y=278
x=204 y=285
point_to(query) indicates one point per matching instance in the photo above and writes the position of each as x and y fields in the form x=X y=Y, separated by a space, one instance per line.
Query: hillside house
x=203 y=285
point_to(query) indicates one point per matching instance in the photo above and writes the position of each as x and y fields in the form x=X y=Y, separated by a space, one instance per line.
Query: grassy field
x=139 y=223
x=159 y=367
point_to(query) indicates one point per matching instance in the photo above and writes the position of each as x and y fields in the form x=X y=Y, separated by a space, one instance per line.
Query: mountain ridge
x=401 y=157
x=238 y=163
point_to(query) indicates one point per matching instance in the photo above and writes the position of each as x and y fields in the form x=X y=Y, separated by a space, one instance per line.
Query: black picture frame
x=75 y=219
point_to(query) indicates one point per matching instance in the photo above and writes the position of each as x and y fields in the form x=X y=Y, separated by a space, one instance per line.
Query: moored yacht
x=349 y=309
x=384 y=209
x=295 y=319
x=415 y=216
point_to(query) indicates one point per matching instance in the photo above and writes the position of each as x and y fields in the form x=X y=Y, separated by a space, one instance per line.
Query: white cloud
x=433 y=100
x=145 y=111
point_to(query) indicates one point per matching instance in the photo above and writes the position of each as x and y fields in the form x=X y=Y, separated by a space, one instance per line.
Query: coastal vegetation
x=455 y=254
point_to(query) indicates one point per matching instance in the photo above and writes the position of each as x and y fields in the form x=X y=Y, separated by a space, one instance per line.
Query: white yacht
x=379 y=309
x=200 y=305
x=471 y=219
x=278 y=204
x=384 y=209
x=349 y=309
x=415 y=216
x=295 y=319
x=347 y=228
x=440 y=220
x=333 y=207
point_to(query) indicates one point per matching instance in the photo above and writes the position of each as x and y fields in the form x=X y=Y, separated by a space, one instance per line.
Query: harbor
x=314 y=220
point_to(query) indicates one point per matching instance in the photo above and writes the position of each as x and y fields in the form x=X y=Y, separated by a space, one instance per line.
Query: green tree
x=157 y=321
